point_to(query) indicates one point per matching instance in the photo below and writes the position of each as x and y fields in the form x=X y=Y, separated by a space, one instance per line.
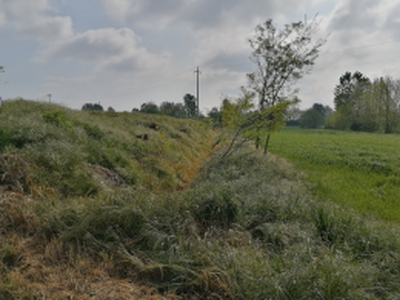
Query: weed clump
x=217 y=207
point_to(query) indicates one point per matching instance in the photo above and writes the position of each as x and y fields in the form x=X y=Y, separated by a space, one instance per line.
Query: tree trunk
x=258 y=138
x=231 y=145
x=266 y=144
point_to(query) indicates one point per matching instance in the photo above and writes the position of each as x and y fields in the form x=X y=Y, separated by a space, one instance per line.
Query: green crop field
x=357 y=170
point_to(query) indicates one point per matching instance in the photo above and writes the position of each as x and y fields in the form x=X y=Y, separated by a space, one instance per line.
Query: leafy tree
x=216 y=115
x=281 y=58
x=235 y=116
x=93 y=107
x=344 y=91
x=110 y=109
x=348 y=99
x=149 y=108
x=319 y=108
x=293 y=114
x=190 y=105
x=167 y=108
x=174 y=110
x=236 y=112
x=312 y=118
x=365 y=105
x=388 y=95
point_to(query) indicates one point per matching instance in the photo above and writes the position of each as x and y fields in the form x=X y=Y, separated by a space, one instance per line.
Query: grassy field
x=357 y=170
x=98 y=205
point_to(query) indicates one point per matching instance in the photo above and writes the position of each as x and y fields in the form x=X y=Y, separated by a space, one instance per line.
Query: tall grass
x=247 y=227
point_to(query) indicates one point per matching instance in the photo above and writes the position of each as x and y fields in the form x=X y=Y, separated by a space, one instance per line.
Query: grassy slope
x=60 y=168
x=360 y=170
x=65 y=144
x=91 y=211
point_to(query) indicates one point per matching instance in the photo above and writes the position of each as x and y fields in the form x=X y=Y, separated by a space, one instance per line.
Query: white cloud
x=32 y=20
x=195 y=13
x=108 y=48
x=46 y=27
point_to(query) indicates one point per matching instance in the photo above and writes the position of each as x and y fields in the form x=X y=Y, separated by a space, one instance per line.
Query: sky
x=122 y=53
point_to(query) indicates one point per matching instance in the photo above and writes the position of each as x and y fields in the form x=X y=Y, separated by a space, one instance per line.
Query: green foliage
x=235 y=113
x=281 y=58
x=349 y=85
x=176 y=110
x=57 y=118
x=187 y=109
x=92 y=107
x=190 y=104
x=92 y=131
x=149 y=108
x=216 y=116
x=312 y=118
x=362 y=105
x=252 y=124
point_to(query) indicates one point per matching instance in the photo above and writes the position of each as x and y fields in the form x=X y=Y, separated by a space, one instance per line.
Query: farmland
x=356 y=170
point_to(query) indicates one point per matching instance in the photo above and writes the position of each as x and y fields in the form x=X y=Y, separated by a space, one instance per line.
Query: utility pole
x=1 y=71
x=197 y=71
x=49 y=95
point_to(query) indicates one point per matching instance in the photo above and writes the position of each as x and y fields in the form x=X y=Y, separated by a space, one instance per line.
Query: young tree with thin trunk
x=281 y=58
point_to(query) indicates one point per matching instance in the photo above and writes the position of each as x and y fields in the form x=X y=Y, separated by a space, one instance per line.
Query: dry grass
x=34 y=268
x=75 y=279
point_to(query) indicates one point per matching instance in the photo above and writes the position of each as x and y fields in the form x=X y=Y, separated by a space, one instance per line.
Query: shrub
x=57 y=118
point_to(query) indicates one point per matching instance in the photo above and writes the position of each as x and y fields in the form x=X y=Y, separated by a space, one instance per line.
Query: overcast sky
x=123 y=53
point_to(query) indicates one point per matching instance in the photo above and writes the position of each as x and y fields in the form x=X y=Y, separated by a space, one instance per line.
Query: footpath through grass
x=358 y=170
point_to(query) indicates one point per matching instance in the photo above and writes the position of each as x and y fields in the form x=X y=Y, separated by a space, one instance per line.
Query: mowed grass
x=358 y=170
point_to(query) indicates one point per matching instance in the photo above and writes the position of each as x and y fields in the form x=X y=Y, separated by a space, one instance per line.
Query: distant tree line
x=187 y=109
x=93 y=107
x=362 y=104
x=315 y=117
